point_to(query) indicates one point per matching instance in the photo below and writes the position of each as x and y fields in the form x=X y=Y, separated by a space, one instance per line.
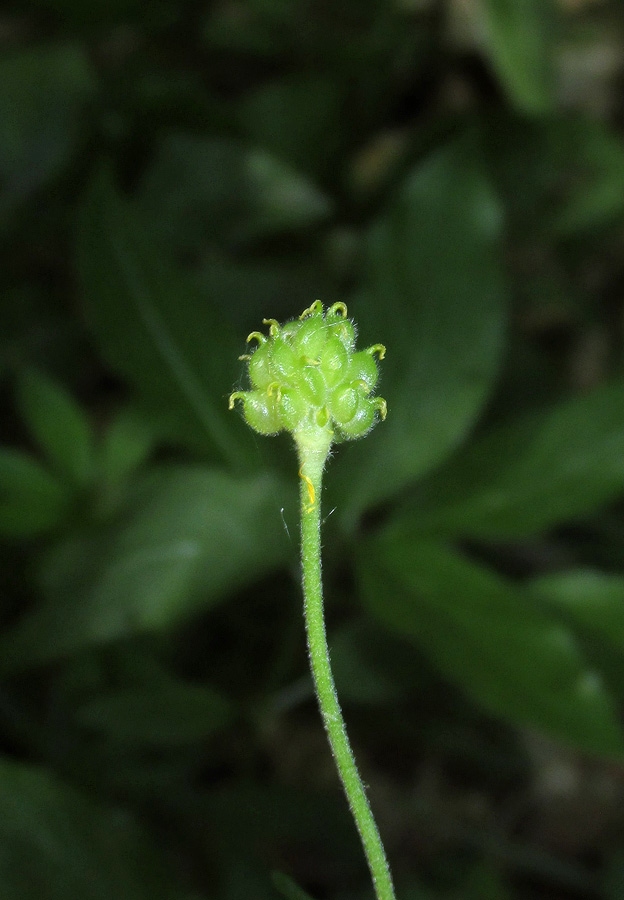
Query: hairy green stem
x=312 y=460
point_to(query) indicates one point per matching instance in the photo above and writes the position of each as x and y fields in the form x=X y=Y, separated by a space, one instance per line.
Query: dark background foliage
x=170 y=174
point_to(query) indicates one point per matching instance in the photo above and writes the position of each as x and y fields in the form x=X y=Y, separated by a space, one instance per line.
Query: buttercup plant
x=307 y=378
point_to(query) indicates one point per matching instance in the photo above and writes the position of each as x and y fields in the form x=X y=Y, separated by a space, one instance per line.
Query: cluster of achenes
x=307 y=378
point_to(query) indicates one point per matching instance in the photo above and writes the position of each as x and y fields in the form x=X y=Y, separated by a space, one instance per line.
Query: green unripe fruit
x=293 y=409
x=362 y=420
x=284 y=361
x=260 y=411
x=344 y=330
x=289 y=330
x=307 y=378
x=363 y=368
x=259 y=367
x=311 y=337
x=343 y=404
x=334 y=362
x=312 y=385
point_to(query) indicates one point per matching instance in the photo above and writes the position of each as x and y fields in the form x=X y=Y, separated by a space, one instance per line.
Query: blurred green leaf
x=252 y=28
x=196 y=187
x=596 y=195
x=252 y=818
x=282 y=200
x=491 y=640
x=192 y=536
x=247 y=290
x=592 y=600
x=531 y=473
x=43 y=92
x=27 y=319
x=360 y=678
x=175 y=713
x=174 y=346
x=32 y=501
x=245 y=879
x=434 y=295
x=56 y=844
x=59 y=426
x=128 y=440
x=522 y=42
x=415 y=891
x=288 y=888
x=484 y=881
x=298 y=120
x=559 y=176
x=594 y=205
x=200 y=190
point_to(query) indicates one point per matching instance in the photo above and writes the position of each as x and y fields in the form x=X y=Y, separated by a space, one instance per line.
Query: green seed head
x=307 y=378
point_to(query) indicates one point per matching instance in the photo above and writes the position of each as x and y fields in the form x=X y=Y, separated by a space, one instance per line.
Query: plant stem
x=312 y=461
